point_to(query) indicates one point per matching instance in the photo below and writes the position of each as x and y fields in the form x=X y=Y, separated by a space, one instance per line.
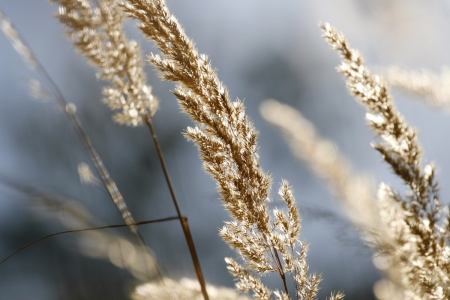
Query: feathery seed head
x=97 y=33
x=420 y=249
x=12 y=34
x=227 y=143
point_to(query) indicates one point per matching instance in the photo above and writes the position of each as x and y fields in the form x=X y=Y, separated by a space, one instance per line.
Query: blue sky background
x=262 y=49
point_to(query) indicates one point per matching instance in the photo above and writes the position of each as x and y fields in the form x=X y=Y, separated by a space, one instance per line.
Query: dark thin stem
x=296 y=286
x=271 y=248
x=88 y=229
x=274 y=254
x=184 y=222
x=283 y=277
x=149 y=123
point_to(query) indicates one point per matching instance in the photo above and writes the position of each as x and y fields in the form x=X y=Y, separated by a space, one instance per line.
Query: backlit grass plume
x=416 y=221
x=17 y=43
x=227 y=142
x=434 y=88
x=356 y=191
x=96 y=31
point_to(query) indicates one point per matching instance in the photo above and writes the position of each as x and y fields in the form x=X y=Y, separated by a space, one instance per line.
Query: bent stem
x=83 y=230
x=183 y=221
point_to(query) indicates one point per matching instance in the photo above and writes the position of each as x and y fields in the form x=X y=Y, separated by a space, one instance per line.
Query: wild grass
x=410 y=232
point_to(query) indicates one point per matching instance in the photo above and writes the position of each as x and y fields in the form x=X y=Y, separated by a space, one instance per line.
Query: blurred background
x=262 y=49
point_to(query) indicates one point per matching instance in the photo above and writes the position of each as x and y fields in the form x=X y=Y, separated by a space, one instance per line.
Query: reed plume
x=323 y=157
x=416 y=221
x=356 y=191
x=227 y=142
x=432 y=87
x=96 y=32
x=11 y=33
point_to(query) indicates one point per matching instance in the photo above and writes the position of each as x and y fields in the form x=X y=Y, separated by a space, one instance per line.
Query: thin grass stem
x=183 y=222
x=88 y=229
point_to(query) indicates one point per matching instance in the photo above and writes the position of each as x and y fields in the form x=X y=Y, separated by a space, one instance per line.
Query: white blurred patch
x=86 y=175
x=35 y=90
